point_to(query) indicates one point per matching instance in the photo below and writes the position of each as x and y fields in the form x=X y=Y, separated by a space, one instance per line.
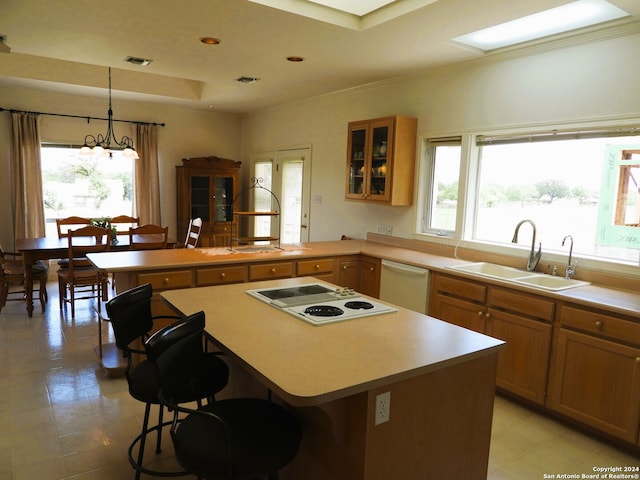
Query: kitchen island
x=441 y=380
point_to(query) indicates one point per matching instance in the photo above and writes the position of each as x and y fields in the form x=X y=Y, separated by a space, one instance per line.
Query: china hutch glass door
x=200 y=194
x=222 y=199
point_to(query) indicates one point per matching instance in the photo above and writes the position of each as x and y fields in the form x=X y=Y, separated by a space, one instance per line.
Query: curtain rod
x=89 y=118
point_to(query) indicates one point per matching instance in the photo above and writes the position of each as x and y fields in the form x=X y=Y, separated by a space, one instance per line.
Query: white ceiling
x=68 y=45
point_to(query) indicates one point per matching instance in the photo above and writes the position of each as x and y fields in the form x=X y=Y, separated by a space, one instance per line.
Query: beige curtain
x=26 y=176
x=147 y=179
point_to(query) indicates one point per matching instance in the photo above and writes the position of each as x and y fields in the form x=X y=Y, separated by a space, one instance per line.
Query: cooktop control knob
x=345 y=292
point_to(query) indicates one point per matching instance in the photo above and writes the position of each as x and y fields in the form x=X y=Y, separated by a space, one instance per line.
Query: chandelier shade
x=103 y=144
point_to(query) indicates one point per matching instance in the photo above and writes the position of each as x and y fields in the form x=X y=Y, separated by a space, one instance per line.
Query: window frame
x=50 y=221
x=464 y=234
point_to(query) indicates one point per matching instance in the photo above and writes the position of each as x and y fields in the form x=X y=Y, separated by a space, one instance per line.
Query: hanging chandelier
x=102 y=144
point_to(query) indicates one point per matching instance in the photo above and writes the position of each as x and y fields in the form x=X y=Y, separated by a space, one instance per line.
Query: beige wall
x=573 y=84
x=187 y=133
x=580 y=83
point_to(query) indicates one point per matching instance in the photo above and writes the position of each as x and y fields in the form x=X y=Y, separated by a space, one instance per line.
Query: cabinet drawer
x=454 y=287
x=221 y=275
x=600 y=324
x=166 y=280
x=312 y=267
x=267 y=271
x=520 y=303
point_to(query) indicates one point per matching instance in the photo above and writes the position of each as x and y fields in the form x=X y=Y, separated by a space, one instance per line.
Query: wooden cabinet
x=206 y=187
x=522 y=320
x=381 y=156
x=270 y=271
x=360 y=273
x=221 y=275
x=595 y=376
x=320 y=268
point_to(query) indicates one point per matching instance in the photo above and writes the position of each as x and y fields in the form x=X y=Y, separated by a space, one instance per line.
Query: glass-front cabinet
x=206 y=187
x=381 y=159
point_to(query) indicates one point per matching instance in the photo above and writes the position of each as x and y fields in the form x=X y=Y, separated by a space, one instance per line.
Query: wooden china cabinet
x=381 y=155
x=206 y=187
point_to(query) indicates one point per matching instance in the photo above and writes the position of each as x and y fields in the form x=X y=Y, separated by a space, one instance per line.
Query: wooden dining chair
x=64 y=226
x=124 y=222
x=193 y=233
x=148 y=237
x=78 y=278
x=12 y=274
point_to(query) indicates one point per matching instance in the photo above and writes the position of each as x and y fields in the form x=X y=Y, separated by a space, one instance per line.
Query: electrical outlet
x=385 y=229
x=383 y=407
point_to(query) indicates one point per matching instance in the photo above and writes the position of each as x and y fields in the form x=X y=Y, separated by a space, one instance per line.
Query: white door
x=287 y=174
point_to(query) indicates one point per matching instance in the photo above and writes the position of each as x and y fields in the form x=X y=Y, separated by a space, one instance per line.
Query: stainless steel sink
x=521 y=277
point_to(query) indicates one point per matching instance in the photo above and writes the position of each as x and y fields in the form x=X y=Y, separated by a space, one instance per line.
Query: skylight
x=582 y=13
x=354 y=14
x=359 y=8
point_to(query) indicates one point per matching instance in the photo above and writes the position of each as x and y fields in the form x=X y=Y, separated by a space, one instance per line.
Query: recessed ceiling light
x=210 y=40
x=244 y=79
x=571 y=16
x=295 y=59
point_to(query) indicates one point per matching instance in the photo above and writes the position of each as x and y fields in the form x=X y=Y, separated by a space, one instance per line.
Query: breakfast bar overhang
x=441 y=380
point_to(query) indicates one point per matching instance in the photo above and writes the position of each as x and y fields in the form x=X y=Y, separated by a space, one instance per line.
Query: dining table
x=48 y=248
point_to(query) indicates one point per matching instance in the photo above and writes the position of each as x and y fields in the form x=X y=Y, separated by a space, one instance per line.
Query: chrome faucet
x=571 y=269
x=534 y=257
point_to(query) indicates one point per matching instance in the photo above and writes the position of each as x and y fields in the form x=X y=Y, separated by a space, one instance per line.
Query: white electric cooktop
x=321 y=304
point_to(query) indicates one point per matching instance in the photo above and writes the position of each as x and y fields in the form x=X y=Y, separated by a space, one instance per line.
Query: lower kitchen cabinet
x=595 y=376
x=524 y=363
x=322 y=269
x=520 y=319
x=362 y=274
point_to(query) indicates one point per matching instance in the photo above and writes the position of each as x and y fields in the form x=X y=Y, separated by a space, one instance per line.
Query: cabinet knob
x=316 y=266
x=637 y=359
x=166 y=280
x=273 y=270
x=599 y=323
x=480 y=313
x=222 y=275
x=487 y=315
x=344 y=267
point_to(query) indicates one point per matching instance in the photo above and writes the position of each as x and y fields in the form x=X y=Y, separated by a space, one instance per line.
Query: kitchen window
x=88 y=187
x=580 y=183
x=441 y=206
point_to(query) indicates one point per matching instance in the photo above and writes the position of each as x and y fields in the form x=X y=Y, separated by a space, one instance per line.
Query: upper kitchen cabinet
x=206 y=187
x=381 y=155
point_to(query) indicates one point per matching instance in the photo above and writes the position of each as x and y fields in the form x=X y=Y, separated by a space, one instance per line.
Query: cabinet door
x=199 y=196
x=223 y=194
x=370 y=278
x=358 y=162
x=464 y=314
x=597 y=382
x=369 y=154
x=380 y=166
x=524 y=362
x=350 y=274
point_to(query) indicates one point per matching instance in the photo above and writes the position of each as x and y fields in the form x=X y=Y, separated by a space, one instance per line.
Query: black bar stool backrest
x=130 y=315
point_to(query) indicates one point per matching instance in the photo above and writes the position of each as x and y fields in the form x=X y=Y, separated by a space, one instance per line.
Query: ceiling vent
x=247 y=79
x=138 y=61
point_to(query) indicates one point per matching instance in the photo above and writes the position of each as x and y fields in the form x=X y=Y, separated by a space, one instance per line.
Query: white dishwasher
x=405 y=285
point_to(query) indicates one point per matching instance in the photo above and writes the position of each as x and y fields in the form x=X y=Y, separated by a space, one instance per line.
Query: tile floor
x=61 y=418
